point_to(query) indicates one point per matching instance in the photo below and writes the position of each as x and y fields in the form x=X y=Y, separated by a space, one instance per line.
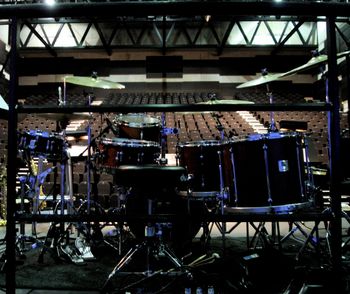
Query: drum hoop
x=268 y=136
x=122 y=120
x=199 y=195
x=204 y=143
x=273 y=209
x=129 y=142
x=43 y=134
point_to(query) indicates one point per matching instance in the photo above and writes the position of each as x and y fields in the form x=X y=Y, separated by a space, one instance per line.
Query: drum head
x=137 y=120
x=138 y=126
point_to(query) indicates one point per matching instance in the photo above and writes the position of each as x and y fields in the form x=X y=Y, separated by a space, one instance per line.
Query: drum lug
x=140 y=157
x=119 y=157
x=283 y=166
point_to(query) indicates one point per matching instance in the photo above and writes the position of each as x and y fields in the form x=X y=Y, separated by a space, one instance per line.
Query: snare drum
x=138 y=126
x=208 y=163
x=268 y=170
x=39 y=143
x=117 y=151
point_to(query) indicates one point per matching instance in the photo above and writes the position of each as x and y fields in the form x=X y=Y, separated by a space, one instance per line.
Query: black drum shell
x=206 y=161
x=40 y=143
x=277 y=159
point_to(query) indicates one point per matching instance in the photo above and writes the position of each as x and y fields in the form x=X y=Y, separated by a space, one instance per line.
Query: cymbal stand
x=223 y=190
x=219 y=126
x=22 y=238
x=37 y=185
x=163 y=160
x=88 y=165
x=272 y=126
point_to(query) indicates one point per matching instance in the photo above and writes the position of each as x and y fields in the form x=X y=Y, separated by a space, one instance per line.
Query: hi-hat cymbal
x=223 y=101
x=261 y=80
x=93 y=82
x=65 y=116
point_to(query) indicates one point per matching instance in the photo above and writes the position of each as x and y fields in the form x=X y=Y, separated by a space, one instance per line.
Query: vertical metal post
x=11 y=168
x=334 y=144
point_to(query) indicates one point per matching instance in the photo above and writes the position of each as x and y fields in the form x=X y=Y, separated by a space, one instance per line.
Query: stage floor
x=233 y=264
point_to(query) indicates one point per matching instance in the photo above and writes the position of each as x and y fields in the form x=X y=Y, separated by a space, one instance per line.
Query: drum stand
x=153 y=244
x=22 y=238
x=222 y=195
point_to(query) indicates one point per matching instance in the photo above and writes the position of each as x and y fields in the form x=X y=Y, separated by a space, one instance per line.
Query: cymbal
x=93 y=82
x=3 y=104
x=343 y=54
x=261 y=80
x=311 y=63
x=64 y=116
x=223 y=101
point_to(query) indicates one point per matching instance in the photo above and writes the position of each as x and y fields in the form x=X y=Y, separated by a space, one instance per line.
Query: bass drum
x=268 y=171
x=138 y=126
x=178 y=234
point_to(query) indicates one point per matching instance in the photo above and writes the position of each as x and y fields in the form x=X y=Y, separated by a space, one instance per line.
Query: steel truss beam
x=164 y=34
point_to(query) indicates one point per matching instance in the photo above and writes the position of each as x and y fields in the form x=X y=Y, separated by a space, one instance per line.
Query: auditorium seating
x=191 y=126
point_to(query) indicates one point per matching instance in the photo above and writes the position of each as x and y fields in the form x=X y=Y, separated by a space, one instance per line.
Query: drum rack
x=248 y=8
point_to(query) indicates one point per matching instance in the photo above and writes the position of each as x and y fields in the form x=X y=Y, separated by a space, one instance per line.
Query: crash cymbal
x=311 y=63
x=267 y=78
x=3 y=104
x=343 y=54
x=93 y=82
x=65 y=116
x=224 y=101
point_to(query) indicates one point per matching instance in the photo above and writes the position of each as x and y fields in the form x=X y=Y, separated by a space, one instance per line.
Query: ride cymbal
x=93 y=82
x=267 y=78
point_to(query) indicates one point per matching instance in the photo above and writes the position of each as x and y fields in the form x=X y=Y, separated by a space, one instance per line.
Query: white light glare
x=50 y=2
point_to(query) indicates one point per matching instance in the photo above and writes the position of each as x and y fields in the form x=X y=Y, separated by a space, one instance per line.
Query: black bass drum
x=178 y=234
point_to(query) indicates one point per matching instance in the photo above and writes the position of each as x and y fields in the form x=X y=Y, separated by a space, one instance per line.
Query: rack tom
x=118 y=151
x=208 y=165
x=39 y=143
x=138 y=126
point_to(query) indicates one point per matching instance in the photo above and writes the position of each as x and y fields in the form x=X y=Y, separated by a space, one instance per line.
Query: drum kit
x=260 y=173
